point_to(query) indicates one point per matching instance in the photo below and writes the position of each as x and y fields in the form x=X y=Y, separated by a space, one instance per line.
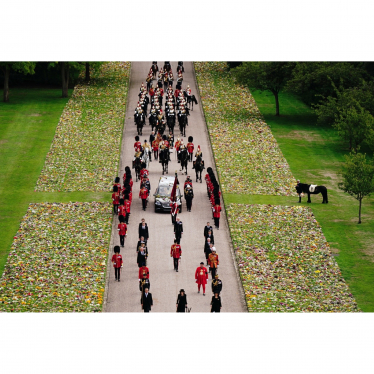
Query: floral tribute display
x=85 y=151
x=247 y=155
x=285 y=262
x=57 y=262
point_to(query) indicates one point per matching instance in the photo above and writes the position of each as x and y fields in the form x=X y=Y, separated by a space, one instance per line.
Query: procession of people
x=163 y=106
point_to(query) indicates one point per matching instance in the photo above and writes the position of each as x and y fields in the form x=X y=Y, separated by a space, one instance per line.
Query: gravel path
x=124 y=296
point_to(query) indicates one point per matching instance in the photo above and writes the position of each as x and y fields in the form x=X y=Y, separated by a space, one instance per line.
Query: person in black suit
x=146 y=301
x=181 y=302
x=210 y=236
x=208 y=249
x=207 y=228
x=143 y=230
x=178 y=230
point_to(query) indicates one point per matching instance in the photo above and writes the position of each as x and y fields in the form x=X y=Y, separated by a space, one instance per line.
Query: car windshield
x=166 y=191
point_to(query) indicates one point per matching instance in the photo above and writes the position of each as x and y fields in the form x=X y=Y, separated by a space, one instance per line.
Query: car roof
x=166 y=180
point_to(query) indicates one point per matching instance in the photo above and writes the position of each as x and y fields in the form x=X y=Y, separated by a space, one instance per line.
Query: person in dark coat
x=216 y=285
x=143 y=230
x=207 y=228
x=188 y=195
x=181 y=302
x=216 y=303
x=208 y=250
x=178 y=230
x=210 y=236
x=146 y=301
x=144 y=283
x=142 y=255
x=142 y=240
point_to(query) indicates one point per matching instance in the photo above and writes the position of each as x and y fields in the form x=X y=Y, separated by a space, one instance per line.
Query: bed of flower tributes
x=58 y=259
x=247 y=155
x=85 y=150
x=285 y=262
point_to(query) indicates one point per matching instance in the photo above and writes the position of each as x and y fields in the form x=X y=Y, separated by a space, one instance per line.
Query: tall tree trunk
x=276 y=103
x=359 y=212
x=88 y=72
x=65 y=78
x=6 y=84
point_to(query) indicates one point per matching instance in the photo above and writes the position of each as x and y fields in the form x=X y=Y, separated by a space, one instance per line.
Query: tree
x=355 y=125
x=358 y=178
x=329 y=107
x=91 y=65
x=265 y=76
x=310 y=80
x=66 y=69
x=21 y=67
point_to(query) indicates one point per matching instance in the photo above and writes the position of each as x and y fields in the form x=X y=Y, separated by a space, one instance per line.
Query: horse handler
x=201 y=277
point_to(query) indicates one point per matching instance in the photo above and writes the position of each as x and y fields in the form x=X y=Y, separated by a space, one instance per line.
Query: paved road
x=124 y=296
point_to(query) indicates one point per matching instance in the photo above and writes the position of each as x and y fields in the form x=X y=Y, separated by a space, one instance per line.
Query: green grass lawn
x=28 y=124
x=315 y=154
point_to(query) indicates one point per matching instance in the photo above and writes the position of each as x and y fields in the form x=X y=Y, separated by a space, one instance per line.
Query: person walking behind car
x=146 y=301
x=176 y=253
x=178 y=230
x=201 y=277
x=143 y=230
x=181 y=302
x=216 y=303
x=188 y=193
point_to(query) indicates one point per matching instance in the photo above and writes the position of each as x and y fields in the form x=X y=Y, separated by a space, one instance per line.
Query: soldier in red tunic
x=117 y=262
x=122 y=230
x=176 y=253
x=216 y=213
x=137 y=144
x=143 y=194
x=115 y=199
x=213 y=262
x=201 y=276
x=121 y=209
x=143 y=270
x=190 y=147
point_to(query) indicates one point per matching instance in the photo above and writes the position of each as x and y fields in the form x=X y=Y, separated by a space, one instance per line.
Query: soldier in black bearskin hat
x=190 y=147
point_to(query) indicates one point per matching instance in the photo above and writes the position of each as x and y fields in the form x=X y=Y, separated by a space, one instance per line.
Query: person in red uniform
x=176 y=253
x=115 y=199
x=201 y=277
x=190 y=147
x=137 y=144
x=117 y=262
x=122 y=230
x=127 y=206
x=216 y=213
x=174 y=211
x=143 y=194
x=143 y=270
x=117 y=183
x=213 y=262
x=121 y=209
x=155 y=148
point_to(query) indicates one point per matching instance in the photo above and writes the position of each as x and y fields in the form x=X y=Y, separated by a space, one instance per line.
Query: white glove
x=195 y=280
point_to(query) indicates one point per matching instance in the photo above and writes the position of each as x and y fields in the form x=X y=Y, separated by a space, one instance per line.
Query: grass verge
x=315 y=154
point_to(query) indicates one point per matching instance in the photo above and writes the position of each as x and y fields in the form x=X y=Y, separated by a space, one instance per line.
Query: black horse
x=305 y=188
x=199 y=167
x=154 y=68
x=182 y=118
x=137 y=166
x=160 y=126
x=140 y=121
x=183 y=158
x=153 y=120
x=170 y=118
x=191 y=99
x=164 y=160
